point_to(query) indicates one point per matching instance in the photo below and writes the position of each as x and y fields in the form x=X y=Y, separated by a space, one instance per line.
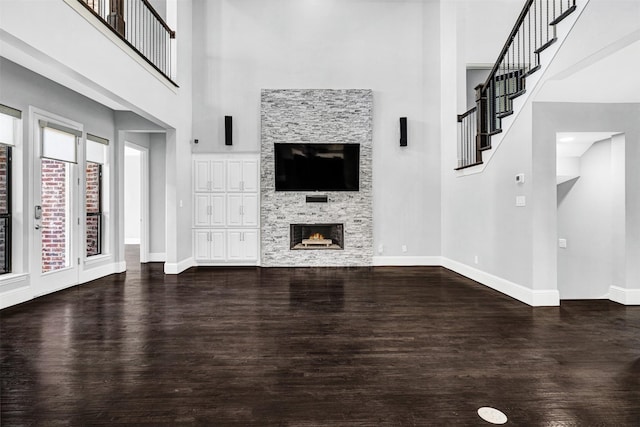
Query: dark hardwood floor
x=313 y=347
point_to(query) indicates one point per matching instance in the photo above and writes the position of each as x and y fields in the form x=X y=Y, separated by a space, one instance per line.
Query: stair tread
x=546 y=45
x=493 y=132
x=505 y=114
x=517 y=94
x=563 y=15
x=468 y=166
x=532 y=70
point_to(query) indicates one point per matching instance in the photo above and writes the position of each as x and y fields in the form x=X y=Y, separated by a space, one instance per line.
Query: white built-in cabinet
x=226 y=209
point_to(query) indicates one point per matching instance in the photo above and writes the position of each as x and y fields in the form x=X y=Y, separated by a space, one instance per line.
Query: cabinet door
x=218 y=246
x=234 y=209
x=234 y=245
x=250 y=176
x=217 y=210
x=218 y=175
x=201 y=177
x=234 y=175
x=250 y=245
x=201 y=245
x=249 y=210
x=201 y=210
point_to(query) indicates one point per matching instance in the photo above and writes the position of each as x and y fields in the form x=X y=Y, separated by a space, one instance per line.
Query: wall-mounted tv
x=317 y=167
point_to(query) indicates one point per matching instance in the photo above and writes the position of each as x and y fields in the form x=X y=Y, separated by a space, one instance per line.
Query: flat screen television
x=317 y=167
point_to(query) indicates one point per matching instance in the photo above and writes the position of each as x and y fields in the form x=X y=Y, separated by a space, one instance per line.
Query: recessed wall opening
x=316 y=236
x=590 y=177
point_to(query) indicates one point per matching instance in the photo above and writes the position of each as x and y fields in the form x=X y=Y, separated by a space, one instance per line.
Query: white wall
x=550 y=118
x=587 y=207
x=156 y=144
x=157 y=190
x=66 y=44
x=132 y=196
x=487 y=24
x=21 y=89
x=391 y=47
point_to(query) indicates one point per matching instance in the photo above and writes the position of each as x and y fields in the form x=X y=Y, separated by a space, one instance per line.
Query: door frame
x=69 y=276
x=144 y=199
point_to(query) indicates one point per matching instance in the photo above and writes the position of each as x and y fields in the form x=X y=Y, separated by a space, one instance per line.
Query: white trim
x=157 y=257
x=179 y=267
x=108 y=33
x=407 y=260
x=53 y=281
x=11 y=278
x=121 y=266
x=16 y=296
x=96 y=259
x=535 y=298
x=227 y=264
x=98 y=272
x=131 y=241
x=624 y=296
x=144 y=201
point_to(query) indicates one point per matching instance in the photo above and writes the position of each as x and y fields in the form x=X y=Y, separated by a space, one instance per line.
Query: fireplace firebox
x=316 y=236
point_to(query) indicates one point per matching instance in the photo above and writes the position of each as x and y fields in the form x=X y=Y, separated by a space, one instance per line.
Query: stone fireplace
x=316 y=236
x=318 y=116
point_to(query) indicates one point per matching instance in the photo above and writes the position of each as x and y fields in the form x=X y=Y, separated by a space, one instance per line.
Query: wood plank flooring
x=313 y=347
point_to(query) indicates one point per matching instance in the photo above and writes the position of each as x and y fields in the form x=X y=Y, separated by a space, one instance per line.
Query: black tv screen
x=317 y=167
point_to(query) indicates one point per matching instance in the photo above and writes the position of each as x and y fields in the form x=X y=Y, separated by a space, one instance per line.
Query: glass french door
x=55 y=254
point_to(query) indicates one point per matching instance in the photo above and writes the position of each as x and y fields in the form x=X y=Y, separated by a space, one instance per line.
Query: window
x=8 y=130
x=96 y=157
x=5 y=209
x=93 y=205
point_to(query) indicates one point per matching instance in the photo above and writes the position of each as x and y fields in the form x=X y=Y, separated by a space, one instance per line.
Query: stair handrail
x=535 y=31
x=507 y=45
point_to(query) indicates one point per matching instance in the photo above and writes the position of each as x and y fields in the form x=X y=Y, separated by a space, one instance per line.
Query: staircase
x=534 y=31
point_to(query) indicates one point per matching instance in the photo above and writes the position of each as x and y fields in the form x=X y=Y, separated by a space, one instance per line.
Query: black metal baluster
x=548 y=21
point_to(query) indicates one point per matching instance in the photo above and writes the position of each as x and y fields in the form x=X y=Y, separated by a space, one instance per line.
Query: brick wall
x=92 y=197
x=54 y=213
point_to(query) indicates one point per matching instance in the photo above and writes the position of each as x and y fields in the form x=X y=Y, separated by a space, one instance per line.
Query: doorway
x=590 y=179
x=56 y=199
x=136 y=203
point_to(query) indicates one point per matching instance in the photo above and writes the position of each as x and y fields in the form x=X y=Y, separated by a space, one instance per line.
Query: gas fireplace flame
x=316 y=236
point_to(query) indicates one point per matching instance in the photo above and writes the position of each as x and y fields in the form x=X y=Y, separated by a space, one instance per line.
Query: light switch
x=521 y=201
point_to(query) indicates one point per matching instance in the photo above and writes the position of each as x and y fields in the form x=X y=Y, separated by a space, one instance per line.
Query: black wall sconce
x=228 y=131
x=403 y=131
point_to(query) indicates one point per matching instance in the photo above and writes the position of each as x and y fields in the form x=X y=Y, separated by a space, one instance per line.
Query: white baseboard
x=535 y=298
x=157 y=257
x=179 y=267
x=624 y=296
x=121 y=267
x=407 y=261
x=16 y=296
x=94 y=273
x=14 y=290
x=131 y=241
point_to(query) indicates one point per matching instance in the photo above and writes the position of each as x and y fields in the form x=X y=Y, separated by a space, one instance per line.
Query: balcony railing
x=534 y=31
x=140 y=26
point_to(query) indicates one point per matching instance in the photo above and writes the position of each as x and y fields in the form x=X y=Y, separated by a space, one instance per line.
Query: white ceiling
x=575 y=144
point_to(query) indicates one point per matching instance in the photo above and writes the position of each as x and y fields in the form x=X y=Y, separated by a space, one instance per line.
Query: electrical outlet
x=562 y=243
x=404 y=248
x=475 y=259
x=521 y=201
x=380 y=248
